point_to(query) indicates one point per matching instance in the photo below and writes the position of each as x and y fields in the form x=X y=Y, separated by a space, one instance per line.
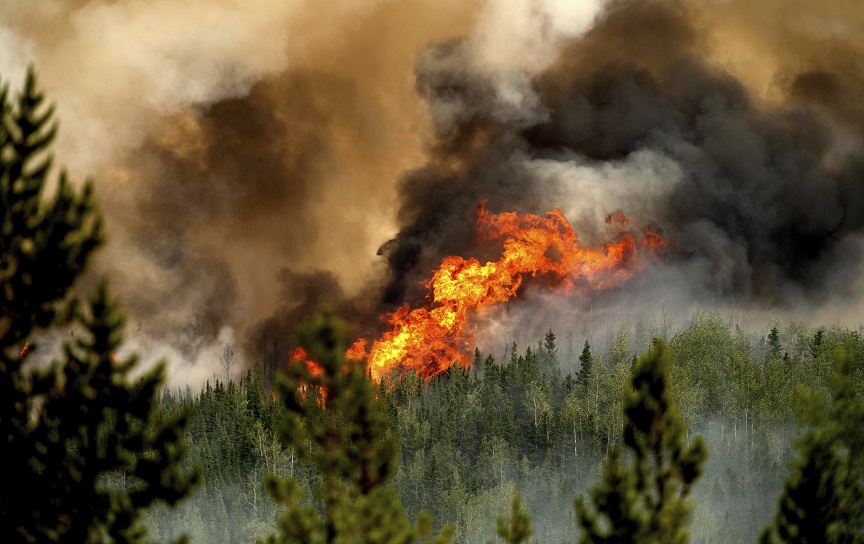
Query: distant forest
x=539 y=422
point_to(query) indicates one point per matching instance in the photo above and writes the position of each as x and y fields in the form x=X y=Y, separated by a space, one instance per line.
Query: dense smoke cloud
x=232 y=144
x=762 y=191
x=251 y=158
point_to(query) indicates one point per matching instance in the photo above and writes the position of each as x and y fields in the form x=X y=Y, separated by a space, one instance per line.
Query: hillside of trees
x=539 y=422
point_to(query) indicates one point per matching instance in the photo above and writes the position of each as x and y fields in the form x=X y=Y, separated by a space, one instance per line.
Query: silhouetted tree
x=587 y=364
x=823 y=496
x=772 y=344
x=335 y=424
x=646 y=503
x=88 y=449
x=227 y=360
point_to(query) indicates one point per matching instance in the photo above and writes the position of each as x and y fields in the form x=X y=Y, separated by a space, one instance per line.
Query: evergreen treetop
x=586 y=366
x=335 y=424
x=823 y=496
x=89 y=449
x=647 y=502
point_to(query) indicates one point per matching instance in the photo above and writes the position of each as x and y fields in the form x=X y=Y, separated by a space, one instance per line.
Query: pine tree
x=517 y=528
x=549 y=344
x=335 y=424
x=823 y=497
x=587 y=365
x=549 y=355
x=88 y=449
x=772 y=345
x=646 y=503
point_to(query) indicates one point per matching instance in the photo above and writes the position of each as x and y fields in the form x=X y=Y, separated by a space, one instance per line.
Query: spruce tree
x=772 y=345
x=515 y=529
x=646 y=502
x=88 y=448
x=823 y=496
x=335 y=424
x=587 y=364
x=548 y=352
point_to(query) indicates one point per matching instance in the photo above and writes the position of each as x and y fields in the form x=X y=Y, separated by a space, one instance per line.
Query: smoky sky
x=770 y=192
x=254 y=164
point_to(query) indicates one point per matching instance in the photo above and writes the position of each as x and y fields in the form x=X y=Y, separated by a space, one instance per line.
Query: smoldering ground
x=236 y=159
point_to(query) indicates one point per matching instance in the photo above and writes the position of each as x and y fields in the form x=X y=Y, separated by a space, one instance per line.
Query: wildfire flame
x=301 y=356
x=24 y=349
x=431 y=338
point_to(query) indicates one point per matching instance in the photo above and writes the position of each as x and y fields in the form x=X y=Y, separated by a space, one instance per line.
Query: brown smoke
x=234 y=144
x=253 y=157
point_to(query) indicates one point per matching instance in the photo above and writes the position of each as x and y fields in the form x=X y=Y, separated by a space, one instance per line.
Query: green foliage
x=647 y=502
x=468 y=444
x=88 y=449
x=334 y=423
x=587 y=363
x=823 y=496
x=517 y=528
x=772 y=344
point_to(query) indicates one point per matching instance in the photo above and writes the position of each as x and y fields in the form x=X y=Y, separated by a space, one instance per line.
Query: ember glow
x=431 y=338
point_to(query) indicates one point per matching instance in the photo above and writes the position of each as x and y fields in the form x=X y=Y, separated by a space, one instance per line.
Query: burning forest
x=665 y=192
x=430 y=338
x=246 y=186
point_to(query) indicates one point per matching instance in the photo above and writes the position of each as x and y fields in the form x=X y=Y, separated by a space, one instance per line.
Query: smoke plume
x=760 y=186
x=256 y=161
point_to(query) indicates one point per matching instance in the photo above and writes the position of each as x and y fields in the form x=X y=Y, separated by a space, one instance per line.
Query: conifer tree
x=88 y=449
x=823 y=496
x=548 y=352
x=335 y=424
x=587 y=364
x=646 y=503
x=772 y=345
x=515 y=529
x=549 y=344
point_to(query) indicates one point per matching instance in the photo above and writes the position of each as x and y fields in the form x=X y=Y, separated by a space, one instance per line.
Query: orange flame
x=300 y=355
x=432 y=338
x=357 y=351
x=24 y=349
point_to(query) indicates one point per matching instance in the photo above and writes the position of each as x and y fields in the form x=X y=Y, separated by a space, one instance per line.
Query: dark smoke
x=249 y=161
x=770 y=195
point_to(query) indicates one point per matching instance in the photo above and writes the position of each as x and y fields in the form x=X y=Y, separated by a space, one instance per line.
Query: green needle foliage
x=587 y=362
x=517 y=528
x=335 y=424
x=823 y=497
x=88 y=449
x=646 y=503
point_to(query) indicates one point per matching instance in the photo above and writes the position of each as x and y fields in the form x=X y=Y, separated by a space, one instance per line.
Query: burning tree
x=88 y=449
x=647 y=502
x=350 y=445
